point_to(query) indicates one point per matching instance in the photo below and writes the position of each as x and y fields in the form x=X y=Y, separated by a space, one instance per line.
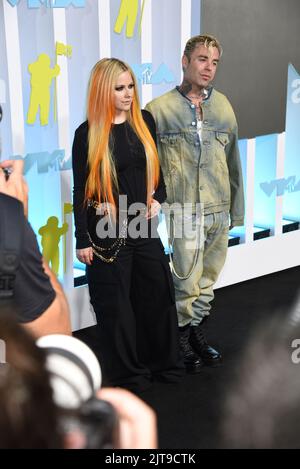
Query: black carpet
x=189 y=413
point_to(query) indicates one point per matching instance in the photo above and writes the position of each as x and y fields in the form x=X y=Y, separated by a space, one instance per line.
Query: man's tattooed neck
x=185 y=87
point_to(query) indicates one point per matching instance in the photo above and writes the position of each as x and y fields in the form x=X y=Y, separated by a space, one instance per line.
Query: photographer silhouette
x=75 y=376
x=103 y=419
x=39 y=301
x=94 y=418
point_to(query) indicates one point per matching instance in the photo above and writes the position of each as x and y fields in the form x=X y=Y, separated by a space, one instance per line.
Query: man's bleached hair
x=206 y=39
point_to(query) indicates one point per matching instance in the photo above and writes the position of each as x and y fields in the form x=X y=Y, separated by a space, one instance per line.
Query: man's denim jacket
x=208 y=171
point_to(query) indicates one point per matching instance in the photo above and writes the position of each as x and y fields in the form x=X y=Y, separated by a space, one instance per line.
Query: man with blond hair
x=198 y=149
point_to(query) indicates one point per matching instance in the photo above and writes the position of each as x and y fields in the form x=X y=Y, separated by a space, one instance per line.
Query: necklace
x=198 y=108
x=203 y=95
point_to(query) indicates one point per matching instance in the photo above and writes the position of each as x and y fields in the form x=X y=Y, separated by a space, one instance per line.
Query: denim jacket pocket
x=223 y=138
x=170 y=147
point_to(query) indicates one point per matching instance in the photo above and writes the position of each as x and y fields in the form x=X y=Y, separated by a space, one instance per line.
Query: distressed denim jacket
x=208 y=171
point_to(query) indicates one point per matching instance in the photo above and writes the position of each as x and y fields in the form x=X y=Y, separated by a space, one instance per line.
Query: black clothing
x=130 y=161
x=133 y=297
x=33 y=292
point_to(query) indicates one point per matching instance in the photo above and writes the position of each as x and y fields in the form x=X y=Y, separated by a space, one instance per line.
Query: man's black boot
x=192 y=362
x=209 y=355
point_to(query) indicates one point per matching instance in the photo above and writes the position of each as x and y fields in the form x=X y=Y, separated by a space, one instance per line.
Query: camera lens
x=6 y=173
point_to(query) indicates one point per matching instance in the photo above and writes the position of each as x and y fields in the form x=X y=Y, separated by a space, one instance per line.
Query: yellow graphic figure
x=63 y=49
x=51 y=234
x=60 y=49
x=128 y=12
x=68 y=208
x=41 y=78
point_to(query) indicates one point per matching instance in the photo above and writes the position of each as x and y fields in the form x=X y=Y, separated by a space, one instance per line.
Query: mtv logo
x=13 y=3
x=281 y=185
x=45 y=161
x=144 y=73
x=50 y=3
x=147 y=75
x=67 y=3
x=163 y=74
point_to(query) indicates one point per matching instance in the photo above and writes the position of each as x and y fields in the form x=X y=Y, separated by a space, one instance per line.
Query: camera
x=75 y=376
x=97 y=421
x=7 y=172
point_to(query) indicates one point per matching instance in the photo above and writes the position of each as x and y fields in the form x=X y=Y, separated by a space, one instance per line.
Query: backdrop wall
x=260 y=39
x=48 y=49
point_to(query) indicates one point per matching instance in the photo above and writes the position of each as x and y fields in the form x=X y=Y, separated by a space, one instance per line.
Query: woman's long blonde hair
x=102 y=183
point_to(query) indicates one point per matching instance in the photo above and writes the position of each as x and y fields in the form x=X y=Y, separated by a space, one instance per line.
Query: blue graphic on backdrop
x=50 y=3
x=144 y=73
x=282 y=186
x=291 y=202
x=45 y=161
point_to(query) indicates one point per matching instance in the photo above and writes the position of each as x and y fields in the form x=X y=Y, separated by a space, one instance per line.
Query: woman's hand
x=153 y=210
x=85 y=255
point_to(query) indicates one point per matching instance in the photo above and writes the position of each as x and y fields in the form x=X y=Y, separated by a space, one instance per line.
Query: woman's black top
x=130 y=161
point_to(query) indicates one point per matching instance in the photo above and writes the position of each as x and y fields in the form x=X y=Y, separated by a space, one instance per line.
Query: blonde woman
x=130 y=284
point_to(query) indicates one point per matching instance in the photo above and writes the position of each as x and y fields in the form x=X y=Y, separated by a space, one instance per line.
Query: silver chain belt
x=120 y=241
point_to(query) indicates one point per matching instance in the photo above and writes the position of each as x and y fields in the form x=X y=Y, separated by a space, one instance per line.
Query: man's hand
x=15 y=185
x=85 y=255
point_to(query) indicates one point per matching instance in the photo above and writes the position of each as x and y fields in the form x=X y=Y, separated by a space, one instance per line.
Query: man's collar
x=208 y=89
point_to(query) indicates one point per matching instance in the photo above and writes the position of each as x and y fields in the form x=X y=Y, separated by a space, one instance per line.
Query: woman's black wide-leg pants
x=134 y=302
